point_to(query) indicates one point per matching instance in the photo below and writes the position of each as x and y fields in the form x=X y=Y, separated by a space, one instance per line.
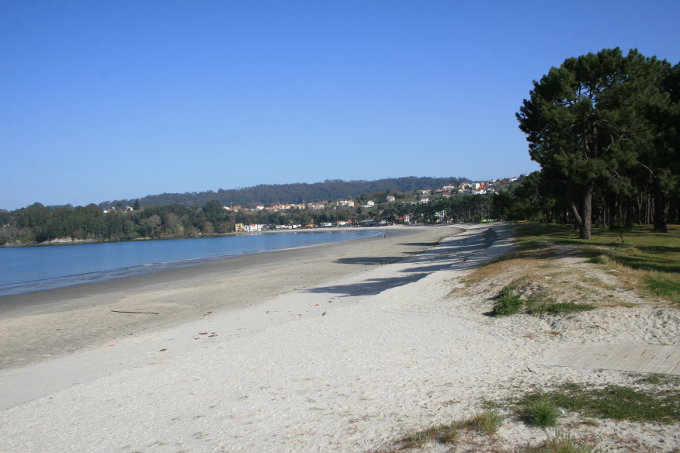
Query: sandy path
x=39 y=326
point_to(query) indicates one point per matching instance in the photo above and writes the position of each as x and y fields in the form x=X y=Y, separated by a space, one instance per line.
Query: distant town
x=399 y=200
x=375 y=203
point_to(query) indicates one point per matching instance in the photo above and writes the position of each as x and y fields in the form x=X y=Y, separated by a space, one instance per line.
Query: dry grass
x=551 y=266
x=561 y=443
x=478 y=431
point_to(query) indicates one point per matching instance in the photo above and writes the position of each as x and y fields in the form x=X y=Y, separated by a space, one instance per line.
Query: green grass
x=541 y=409
x=557 y=308
x=486 y=422
x=655 y=255
x=539 y=412
x=507 y=303
x=611 y=402
x=659 y=379
x=599 y=259
x=663 y=286
x=561 y=444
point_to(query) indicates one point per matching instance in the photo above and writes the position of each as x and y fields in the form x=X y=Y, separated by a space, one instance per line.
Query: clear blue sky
x=103 y=100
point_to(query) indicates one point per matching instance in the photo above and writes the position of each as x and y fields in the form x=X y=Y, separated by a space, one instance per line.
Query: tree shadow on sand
x=454 y=255
x=372 y=286
x=370 y=260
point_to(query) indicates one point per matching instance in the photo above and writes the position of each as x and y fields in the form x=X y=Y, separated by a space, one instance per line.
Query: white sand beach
x=350 y=359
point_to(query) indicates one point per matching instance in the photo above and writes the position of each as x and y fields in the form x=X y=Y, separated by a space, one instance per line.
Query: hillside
x=293 y=193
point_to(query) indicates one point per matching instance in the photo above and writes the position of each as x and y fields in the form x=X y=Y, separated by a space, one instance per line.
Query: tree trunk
x=587 y=216
x=584 y=215
x=660 y=210
x=577 y=218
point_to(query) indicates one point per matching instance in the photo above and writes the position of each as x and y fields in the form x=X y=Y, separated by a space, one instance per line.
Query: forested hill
x=294 y=193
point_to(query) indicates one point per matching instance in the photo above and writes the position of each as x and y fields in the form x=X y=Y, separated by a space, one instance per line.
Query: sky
x=103 y=100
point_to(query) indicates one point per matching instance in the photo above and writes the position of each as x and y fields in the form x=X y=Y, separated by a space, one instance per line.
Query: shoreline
x=66 y=281
x=342 y=351
x=80 y=316
x=386 y=340
x=65 y=241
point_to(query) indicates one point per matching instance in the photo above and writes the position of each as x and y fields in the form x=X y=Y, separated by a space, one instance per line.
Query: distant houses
x=375 y=209
x=420 y=196
x=113 y=209
x=249 y=228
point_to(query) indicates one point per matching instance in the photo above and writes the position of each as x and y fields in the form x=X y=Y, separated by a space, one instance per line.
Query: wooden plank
x=672 y=363
x=675 y=370
x=590 y=357
x=563 y=356
x=656 y=364
x=617 y=355
x=639 y=358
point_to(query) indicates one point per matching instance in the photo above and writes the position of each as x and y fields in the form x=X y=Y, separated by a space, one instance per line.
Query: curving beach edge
x=341 y=347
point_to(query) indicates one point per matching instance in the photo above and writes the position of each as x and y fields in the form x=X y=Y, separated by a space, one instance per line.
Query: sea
x=28 y=269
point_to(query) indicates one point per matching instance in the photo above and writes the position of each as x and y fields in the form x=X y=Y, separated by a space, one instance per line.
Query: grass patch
x=664 y=287
x=599 y=259
x=611 y=402
x=487 y=422
x=557 y=308
x=561 y=444
x=507 y=303
x=659 y=379
x=653 y=258
x=442 y=434
x=539 y=412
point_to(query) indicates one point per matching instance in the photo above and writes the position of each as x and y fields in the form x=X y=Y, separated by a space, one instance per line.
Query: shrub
x=540 y=413
x=597 y=260
x=507 y=303
x=487 y=422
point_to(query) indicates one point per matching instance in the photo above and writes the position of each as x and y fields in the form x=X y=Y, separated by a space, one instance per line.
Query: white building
x=253 y=227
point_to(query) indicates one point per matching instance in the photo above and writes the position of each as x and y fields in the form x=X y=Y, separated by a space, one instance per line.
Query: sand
x=47 y=324
x=349 y=362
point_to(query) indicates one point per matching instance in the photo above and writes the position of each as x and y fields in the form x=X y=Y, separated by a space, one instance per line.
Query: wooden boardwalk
x=650 y=358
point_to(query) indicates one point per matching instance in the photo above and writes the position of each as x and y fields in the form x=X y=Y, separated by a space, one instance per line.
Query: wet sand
x=42 y=325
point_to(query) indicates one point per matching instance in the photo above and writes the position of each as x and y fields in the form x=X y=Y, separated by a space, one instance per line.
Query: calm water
x=28 y=269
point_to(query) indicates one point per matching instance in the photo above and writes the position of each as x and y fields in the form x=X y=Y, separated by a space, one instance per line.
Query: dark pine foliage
x=335 y=189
